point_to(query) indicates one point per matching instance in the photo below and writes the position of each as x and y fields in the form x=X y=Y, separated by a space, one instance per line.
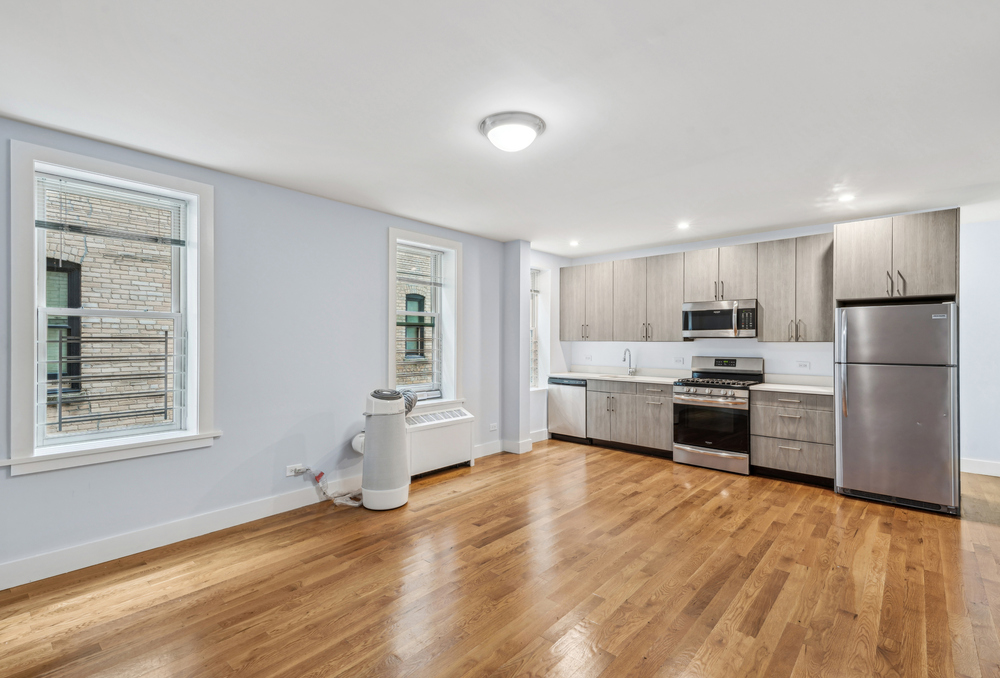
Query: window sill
x=539 y=388
x=426 y=405
x=124 y=448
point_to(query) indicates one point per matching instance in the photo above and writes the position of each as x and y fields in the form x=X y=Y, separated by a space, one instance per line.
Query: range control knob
x=732 y=393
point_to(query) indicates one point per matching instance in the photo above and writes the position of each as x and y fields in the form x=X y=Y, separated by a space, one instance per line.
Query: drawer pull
x=788 y=400
x=791 y=416
x=649 y=403
x=658 y=390
x=782 y=447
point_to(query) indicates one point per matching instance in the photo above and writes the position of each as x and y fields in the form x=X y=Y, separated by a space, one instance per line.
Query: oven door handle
x=712 y=402
x=712 y=453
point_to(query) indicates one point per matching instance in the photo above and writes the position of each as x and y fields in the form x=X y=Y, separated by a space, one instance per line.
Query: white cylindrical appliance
x=385 y=473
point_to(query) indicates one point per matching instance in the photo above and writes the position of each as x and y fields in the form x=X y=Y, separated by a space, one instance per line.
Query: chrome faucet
x=628 y=354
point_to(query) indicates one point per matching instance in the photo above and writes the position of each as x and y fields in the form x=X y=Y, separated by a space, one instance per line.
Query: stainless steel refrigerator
x=896 y=384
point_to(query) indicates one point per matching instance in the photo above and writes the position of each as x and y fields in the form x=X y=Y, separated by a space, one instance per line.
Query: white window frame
x=534 y=353
x=198 y=432
x=450 y=314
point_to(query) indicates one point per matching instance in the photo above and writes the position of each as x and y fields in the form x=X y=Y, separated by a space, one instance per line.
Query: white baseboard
x=46 y=565
x=539 y=435
x=486 y=449
x=981 y=467
x=517 y=446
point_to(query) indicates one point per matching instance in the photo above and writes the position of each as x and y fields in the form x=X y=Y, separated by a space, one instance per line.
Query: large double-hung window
x=111 y=326
x=424 y=315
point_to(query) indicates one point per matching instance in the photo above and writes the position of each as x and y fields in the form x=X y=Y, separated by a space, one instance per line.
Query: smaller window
x=62 y=290
x=534 y=377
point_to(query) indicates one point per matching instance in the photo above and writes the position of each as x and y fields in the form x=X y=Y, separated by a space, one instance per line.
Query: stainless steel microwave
x=729 y=318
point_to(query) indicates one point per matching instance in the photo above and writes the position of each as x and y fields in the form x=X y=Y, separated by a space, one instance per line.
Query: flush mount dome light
x=512 y=131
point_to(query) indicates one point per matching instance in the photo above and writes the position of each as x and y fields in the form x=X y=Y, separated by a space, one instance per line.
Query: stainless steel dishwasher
x=567 y=407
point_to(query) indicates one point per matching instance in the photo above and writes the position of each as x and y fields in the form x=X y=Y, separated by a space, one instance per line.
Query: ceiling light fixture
x=846 y=197
x=574 y=243
x=511 y=131
x=683 y=225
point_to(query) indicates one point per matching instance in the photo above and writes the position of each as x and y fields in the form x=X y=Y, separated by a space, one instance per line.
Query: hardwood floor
x=566 y=561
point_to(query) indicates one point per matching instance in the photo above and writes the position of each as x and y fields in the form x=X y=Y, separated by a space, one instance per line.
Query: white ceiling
x=736 y=116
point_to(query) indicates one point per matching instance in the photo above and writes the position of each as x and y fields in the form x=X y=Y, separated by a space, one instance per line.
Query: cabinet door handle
x=657 y=390
x=788 y=400
x=900 y=286
x=798 y=335
x=649 y=403
x=782 y=447
x=722 y=289
x=791 y=335
x=716 y=283
x=583 y=332
x=649 y=332
x=644 y=332
x=791 y=416
x=612 y=403
x=888 y=289
x=607 y=403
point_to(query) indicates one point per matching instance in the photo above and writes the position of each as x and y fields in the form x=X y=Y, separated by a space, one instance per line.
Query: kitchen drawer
x=611 y=386
x=814 y=426
x=804 y=401
x=793 y=455
x=655 y=390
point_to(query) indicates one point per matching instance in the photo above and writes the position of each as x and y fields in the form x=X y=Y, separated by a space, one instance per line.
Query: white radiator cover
x=439 y=439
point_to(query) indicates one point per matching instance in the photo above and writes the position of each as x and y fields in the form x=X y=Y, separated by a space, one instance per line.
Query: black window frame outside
x=420 y=353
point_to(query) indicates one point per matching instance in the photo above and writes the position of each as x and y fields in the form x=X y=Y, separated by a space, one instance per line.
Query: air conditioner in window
x=440 y=438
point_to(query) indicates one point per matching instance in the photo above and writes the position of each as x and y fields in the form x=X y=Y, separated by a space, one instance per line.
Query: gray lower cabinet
x=793 y=432
x=664 y=297
x=794 y=455
x=630 y=300
x=654 y=422
x=623 y=418
x=599 y=415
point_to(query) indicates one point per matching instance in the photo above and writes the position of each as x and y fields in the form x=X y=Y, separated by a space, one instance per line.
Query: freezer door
x=896 y=431
x=910 y=334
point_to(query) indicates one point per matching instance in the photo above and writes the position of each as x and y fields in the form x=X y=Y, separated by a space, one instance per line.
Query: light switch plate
x=588 y=358
x=803 y=364
x=678 y=361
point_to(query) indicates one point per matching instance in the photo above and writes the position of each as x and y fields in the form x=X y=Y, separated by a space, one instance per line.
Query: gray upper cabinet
x=738 y=272
x=862 y=259
x=600 y=301
x=701 y=275
x=814 y=287
x=630 y=300
x=664 y=296
x=924 y=254
x=915 y=255
x=776 y=290
x=572 y=303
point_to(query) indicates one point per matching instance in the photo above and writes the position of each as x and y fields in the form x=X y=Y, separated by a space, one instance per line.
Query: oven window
x=714 y=428
x=708 y=320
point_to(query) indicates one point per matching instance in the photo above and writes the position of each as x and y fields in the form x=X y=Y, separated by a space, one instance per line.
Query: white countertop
x=793 y=388
x=639 y=378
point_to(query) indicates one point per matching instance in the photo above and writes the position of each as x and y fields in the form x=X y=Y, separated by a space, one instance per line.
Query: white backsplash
x=779 y=358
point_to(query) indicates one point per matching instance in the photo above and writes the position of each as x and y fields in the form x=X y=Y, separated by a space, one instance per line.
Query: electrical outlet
x=493 y=427
x=295 y=470
x=588 y=358
x=803 y=364
x=678 y=361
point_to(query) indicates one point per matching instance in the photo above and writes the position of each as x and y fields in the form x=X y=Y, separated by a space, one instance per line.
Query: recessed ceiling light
x=574 y=243
x=846 y=197
x=683 y=224
x=512 y=131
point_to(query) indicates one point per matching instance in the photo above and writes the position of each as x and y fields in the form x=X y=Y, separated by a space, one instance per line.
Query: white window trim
x=25 y=160
x=451 y=361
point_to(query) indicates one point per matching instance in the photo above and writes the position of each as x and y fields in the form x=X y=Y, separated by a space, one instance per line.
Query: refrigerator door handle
x=843 y=335
x=843 y=388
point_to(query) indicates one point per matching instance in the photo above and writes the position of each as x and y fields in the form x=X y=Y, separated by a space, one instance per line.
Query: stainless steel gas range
x=712 y=413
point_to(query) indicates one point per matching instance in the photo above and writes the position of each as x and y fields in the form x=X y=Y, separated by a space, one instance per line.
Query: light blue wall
x=301 y=337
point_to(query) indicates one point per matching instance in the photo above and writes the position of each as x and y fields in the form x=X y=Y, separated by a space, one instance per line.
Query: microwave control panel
x=746 y=319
